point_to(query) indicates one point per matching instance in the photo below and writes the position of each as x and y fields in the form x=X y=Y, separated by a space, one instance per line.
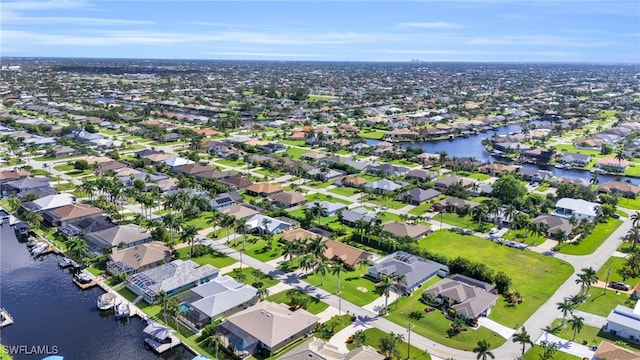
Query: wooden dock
x=86 y=286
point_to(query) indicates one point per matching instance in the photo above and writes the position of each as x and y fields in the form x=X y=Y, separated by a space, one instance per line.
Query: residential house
x=445 y=182
x=174 y=162
x=240 y=211
x=265 y=326
x=578 y=208
x=575 y=159
x=328 y=208
x=609 y=351
x=386 y=186
x=264 y=189
x=349 y=255
x=351 y=217
x=146 y=152
x=495 y=169
x=12 y=175
x=387 y=170
x=138 y=258
x=316 y=349
x=121 y=236
x=325 y=174
x=422 y=175
x=469 y=302
x=612 y=164
x=413 y=269
x=536 y=175
x=172 y=278
x=554 y=224
x=402 y=134
x=193 y=169
x=398 y=230
x=49 y=202
x=24 y=185
x=351 y=181
x=615 y=187
x=265 y=224
x=624 y=322
x=312 y=156
x=417 y=196
x=220 y=297
x=69 y=213
x=86 y=226
x=454 y=204
x=225 y=200
x=236 y=182
x=272 y=148
x=215 y=174
x=62 y=150
x=111 y=166
x=288 y=199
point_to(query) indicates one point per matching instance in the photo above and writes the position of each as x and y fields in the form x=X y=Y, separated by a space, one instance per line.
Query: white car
x=493 y=231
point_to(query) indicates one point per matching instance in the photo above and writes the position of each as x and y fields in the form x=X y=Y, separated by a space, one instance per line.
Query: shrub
x=416 y=315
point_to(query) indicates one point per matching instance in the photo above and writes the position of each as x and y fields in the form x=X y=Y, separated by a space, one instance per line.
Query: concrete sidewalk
x=567 y=346
x=504 y=331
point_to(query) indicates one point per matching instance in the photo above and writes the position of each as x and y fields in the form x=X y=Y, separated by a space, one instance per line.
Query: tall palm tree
x=162 y=299
x=483 y=350
x=577 y=322
x=262 y=293
x=548 y=349
x=34 y=219
x=480 y=212
x=322 y=267
x=214 y=342
x=288 y=250
x=523 y=338
x=633 y=236
x=242 y=225
x=337 y=267
x=77 y=247
x=567 y=308
x=594 y=178
x=188 y=235
x=170 y=221
x=317 y=246
x=620 y=156
x=586 y=278
x=386 y=283
x=635 y=218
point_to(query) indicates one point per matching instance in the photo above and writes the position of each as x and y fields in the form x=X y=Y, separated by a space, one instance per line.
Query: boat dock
x=162 y=347
x=86 y=286
x=5 y=318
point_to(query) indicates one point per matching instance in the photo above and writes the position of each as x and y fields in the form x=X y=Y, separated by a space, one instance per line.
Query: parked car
x=618 y=285
x=615 y=216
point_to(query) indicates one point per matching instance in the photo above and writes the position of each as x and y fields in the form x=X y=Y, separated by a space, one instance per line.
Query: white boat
x=122 y=310
x=5 y=318
x=39 y=249
x=32 y=242
x=83 y=277
x=106 y=301
x=65 y=262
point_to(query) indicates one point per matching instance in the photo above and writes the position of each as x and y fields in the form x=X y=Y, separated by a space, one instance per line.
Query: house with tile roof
x=414 y=270
x=138 y=258
x=69 y=214
x=469 y=302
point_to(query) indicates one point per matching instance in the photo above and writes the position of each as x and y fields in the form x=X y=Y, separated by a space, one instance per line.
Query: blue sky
x=507 y=31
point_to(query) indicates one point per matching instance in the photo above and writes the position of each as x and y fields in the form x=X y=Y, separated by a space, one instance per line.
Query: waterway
x=51 y=313
x=471 y=146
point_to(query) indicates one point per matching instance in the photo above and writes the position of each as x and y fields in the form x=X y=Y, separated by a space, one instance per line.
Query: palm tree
x=577 y=322
x=337 y=267
x=322 y=267
x=588 y=277
x=170 y=221
x=359 y=337
x=214 y=342
x=34 y=219
x=480 y=212
x=306 y=262
x=594 y=178
x=523 y=338
x=162 y=299
x=635 y=218
x=77 y=247
x=386 y=283
x=262 y=293
x=242 y=225
x=288 y=250
x=548 y=349
x=188 y=234
x=620 y=156
x=483 y=350
x=317 y=246
x=633 y=235
x=567 y=308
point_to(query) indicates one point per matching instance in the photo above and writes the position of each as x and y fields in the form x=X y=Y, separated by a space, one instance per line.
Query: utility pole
x=409 y=326
x=607 y=282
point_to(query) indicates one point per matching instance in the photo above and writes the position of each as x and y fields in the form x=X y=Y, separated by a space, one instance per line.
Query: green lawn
x=353 y=286
x=323 y=197
x=434 y=325
x=301 y=143
x=589 y=244
x=202 y=221
x=613 y=264
x=379 y=200
x=257 y=248
x=229 y=162
x=315 y=306
x=404 y=162
x=535 y=352
x=335 y=324
x=319 y=184
x=633 y=204
x=64 y=186
x=373 y=134
x=518 y=235
x=295 y=153
x=78 y=173
x=421 y=209
x=543 y=276
x=479 y=176
x=268 y=172
x=373 y=336
x=216 y=259
x=63 y=167
x=344 y=190
x=314 y=98
x=601 y=303
x=591 y=334
x=265 y=279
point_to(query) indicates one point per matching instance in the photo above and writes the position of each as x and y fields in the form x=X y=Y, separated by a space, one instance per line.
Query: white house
x=578 y=208
x=625 y=322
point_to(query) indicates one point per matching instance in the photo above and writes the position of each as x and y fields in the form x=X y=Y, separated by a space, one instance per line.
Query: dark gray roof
x=418 y=194
x=414 y=268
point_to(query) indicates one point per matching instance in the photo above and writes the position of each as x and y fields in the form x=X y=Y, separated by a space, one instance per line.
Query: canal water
x=55 y=316
x=472 y=147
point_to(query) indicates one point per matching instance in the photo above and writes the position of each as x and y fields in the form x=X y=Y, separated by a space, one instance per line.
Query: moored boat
x=65 y=262
x=5 y=318
x=106 y=301
x=122 y=311
x=83 y=277
x=39 y=249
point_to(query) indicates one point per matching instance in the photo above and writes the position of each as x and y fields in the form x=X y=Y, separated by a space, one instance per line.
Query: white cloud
x=9 y=17
x=43 y=5
x=432 y=25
